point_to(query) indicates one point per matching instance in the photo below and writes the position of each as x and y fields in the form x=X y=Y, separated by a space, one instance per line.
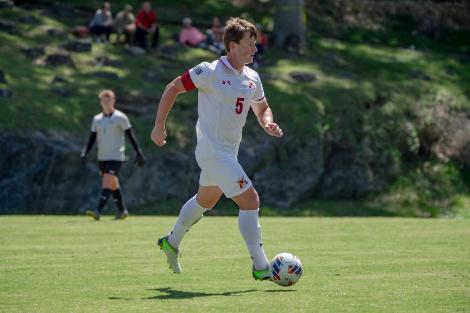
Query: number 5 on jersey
x=239 y=105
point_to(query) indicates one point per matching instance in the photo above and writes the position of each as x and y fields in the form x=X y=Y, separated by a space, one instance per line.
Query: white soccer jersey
x=110 y=135
x=224 y=99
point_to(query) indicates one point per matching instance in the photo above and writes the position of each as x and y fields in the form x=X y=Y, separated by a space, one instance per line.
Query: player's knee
x=206 y=203
x=251 y=200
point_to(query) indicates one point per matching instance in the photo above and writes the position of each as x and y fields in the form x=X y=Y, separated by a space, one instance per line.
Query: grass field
x=71 y=264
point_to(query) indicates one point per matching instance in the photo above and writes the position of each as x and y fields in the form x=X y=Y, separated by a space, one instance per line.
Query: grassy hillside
x=363 y=89
x=72 y=264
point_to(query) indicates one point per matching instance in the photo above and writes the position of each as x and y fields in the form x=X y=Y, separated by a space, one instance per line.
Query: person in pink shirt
x=191 y=36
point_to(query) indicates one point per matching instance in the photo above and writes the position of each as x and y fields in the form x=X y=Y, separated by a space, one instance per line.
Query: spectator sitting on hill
x=191 y=36
x=146 y=22
x=102 y=22
x=215 y=35
x=125 y=25
x=261 y=42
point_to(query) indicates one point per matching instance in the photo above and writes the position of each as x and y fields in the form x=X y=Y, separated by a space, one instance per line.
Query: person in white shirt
x=108 y=129
x=227 y=89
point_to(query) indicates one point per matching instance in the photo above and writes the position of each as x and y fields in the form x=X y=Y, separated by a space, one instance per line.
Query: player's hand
x=273 y=129
x=159 y=135
x=139 y=159
x=83 y=156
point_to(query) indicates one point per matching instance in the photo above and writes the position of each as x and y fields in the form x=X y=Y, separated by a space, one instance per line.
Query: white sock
x=190 y=213
x=251 y=232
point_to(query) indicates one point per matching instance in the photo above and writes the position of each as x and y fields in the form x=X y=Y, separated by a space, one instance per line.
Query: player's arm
x=265 y=119
x=87 y=148
x=172 y=90
x=140 y=160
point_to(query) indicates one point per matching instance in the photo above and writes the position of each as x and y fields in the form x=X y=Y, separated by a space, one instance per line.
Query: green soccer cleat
x=94 y=213
x=172 y=254
x=264 y=274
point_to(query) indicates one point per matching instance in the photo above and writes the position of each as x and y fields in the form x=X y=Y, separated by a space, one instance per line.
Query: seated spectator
x=146 y=23
x=261 y=43
x=215 y=36
x=102 y=22
x=191 y=36
x=124 y=24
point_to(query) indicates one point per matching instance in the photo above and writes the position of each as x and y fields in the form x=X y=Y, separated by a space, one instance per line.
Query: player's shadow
x=168 y=293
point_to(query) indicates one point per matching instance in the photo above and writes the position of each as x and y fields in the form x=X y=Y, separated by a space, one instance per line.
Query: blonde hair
x=235 y=29
x=107 y=93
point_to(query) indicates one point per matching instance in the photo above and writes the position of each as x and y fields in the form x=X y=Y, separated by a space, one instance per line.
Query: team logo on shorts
x=242 y=182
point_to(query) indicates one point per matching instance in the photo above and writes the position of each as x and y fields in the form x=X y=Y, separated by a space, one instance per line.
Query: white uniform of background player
x=226 y=91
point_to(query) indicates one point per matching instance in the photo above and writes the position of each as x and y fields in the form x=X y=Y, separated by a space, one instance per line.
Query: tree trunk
x=290 y=25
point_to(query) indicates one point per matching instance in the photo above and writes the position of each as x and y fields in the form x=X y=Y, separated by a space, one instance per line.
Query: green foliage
x=73 y=264
x=371 y=91
x=431 y=189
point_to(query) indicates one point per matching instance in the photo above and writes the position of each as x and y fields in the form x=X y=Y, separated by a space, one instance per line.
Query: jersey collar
x=229 y=66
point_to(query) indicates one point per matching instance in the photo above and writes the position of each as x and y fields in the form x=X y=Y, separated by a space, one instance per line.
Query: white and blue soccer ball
x=286 y=269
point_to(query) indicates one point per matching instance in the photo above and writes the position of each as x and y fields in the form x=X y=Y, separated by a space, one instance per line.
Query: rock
x=454 y=140
x=6 y=4
x=58 y=59
x=29 y=19
x=288 y=175
x=50 y=165
x=104 y=60
x=133 y=50
x=58 y=79
x=78 y=46
x=33 y=52
x=107 y=75
x=420 y=76
x=8 y=27
x=2 y=77
x=57 y=33
x=5 y=93
x=62 y=92
x=303 y=77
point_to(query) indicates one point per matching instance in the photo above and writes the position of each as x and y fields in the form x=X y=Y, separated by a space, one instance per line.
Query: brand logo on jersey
x=226 y=82
x=248 y=84
x=197 y=70
x=242 y=182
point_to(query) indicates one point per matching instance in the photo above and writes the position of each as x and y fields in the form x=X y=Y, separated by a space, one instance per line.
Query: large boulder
x=290 y=172
x=2 y=77
x=33 y=52
x=6 y=4
x=78 y=46
x=59 y=58
x=8 y=27
x=42 y=173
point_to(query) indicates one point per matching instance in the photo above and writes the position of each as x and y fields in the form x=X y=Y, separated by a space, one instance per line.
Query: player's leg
x=192 y=211
x=106 y=187
x=248 y=222
x=116 y=190
x=117 y=196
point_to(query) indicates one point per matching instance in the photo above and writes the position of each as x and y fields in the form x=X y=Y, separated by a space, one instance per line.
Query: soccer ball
x=286 y=269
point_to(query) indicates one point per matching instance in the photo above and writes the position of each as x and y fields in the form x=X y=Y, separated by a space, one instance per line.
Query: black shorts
x=110 y=167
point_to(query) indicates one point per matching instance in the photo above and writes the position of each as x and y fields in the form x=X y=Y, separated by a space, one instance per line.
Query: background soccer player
x=226 y=91
x=109 y=128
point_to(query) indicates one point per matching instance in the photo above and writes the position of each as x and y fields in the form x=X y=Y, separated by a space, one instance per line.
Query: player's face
x=246 y=49
x=107 y=103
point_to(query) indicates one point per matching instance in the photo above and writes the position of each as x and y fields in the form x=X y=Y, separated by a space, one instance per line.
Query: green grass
x=71 y=264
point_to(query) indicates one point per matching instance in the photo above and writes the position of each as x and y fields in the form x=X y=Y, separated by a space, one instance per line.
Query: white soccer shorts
x=226 y=173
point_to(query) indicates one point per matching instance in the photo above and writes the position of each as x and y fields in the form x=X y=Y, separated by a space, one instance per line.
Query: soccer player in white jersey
x=227 y=89
x=109 y=128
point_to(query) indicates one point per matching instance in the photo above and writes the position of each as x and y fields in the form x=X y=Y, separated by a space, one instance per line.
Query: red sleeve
x=138 y=19
x=187 y=81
